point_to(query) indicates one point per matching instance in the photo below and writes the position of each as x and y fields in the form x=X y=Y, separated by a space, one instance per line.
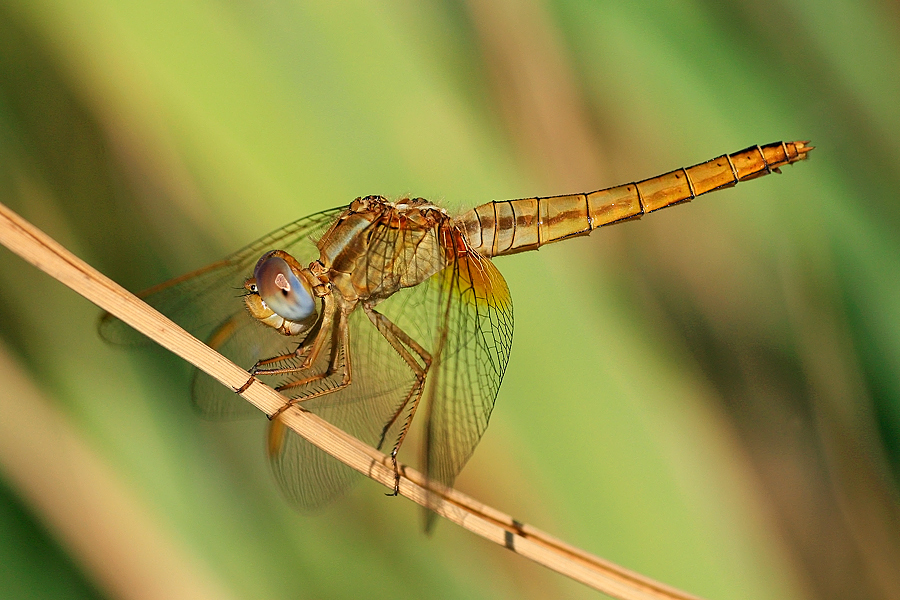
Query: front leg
x=338 y=364
x=308 y=354
x=340 y=346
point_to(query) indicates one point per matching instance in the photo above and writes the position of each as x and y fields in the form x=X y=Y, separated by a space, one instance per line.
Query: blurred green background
x=710 y=396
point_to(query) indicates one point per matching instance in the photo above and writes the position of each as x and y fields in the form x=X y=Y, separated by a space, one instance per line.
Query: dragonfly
x=371 y=313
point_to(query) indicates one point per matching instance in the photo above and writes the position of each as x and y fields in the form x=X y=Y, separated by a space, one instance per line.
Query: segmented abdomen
x=511 y=226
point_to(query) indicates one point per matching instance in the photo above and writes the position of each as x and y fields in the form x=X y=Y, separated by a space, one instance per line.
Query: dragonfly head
x=279 y=295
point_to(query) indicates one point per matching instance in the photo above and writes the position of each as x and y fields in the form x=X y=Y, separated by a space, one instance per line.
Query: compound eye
x=282 y=290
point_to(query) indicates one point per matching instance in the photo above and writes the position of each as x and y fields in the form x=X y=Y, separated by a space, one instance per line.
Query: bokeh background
x=709 y=396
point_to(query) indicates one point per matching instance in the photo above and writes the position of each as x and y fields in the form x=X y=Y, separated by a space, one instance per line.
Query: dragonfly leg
x=311 y=353
x=307 y=353
x=340 y=346
x=302 y=351
x=405 y=347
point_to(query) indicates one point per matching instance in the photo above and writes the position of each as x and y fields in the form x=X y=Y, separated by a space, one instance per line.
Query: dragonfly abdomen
x=511 y=226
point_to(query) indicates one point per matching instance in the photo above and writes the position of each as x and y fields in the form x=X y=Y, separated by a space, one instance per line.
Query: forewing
x=203 y=300
x=208 y=304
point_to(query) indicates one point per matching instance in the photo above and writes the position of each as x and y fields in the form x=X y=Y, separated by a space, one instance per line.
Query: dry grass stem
x=38 y=249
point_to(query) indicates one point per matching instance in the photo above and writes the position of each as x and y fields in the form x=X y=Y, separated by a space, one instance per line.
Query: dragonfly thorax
x=377 y=247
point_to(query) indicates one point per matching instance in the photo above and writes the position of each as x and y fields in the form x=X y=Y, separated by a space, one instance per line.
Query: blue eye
x=282 y=290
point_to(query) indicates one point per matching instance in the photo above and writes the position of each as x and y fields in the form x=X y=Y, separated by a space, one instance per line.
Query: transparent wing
x=462 y=318
x=473 y=341
x=370 y=409
x=208 y=303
